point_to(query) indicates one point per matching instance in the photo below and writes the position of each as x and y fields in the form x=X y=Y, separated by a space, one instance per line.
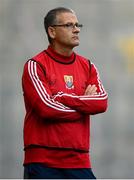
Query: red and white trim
x=102 y=95
x=45 y=97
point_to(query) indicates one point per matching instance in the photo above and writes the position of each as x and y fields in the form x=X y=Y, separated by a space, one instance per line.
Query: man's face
x=66 y=36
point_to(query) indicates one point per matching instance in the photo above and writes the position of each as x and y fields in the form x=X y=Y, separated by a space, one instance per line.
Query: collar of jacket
x=60 y=58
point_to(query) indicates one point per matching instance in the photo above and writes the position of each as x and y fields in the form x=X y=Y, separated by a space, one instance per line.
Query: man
x=61 y=90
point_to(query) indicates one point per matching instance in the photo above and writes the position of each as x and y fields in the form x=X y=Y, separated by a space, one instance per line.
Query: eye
x=69 y=25
x=78 y=25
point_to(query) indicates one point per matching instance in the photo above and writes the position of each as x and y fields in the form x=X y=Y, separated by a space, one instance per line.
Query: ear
x=51 y=32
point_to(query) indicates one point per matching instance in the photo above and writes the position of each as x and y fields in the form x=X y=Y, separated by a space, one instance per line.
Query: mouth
x=75 y=37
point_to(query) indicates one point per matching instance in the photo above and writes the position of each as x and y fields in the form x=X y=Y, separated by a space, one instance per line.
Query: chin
x=75 y=44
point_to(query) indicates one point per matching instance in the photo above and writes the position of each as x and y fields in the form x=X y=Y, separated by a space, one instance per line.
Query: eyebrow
x=69 y=22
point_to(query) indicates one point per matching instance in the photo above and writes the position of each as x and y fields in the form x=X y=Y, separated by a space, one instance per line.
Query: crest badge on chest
x=69 y=81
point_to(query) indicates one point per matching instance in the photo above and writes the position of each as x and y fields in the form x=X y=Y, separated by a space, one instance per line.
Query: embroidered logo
x=69 y=81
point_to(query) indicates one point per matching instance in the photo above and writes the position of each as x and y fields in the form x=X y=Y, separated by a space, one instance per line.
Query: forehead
x=66 y=17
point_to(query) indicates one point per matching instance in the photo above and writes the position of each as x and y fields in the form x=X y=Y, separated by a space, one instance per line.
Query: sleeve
x=87 y=104
x=38 y=97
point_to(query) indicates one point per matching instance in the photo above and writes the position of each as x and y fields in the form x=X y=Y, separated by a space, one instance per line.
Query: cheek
x=64 y=36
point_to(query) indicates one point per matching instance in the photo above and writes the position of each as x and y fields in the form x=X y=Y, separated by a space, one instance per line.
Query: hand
x=91 y=90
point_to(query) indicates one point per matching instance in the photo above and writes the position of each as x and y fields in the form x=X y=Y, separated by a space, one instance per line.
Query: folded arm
x=94 y=100
x=38 y=97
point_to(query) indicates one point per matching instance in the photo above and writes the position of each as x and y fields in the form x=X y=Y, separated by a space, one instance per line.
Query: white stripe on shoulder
x=102 y=90
x=32 y=70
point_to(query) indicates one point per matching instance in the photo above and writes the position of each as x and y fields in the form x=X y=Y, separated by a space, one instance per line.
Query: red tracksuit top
x=57 y=111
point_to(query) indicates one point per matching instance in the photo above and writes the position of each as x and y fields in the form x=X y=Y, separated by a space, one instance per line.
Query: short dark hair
x=50 y=18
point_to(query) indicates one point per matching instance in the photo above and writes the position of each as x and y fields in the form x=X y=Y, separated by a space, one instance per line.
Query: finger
x=87 y=89
x=91 y=90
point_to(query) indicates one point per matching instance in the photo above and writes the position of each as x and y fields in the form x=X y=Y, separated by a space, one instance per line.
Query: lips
x=75 y=37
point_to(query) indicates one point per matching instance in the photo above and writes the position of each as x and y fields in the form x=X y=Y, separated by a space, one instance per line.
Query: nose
x=76 y=29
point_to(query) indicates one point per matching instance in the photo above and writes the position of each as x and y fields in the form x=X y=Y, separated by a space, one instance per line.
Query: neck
x=65 y=51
